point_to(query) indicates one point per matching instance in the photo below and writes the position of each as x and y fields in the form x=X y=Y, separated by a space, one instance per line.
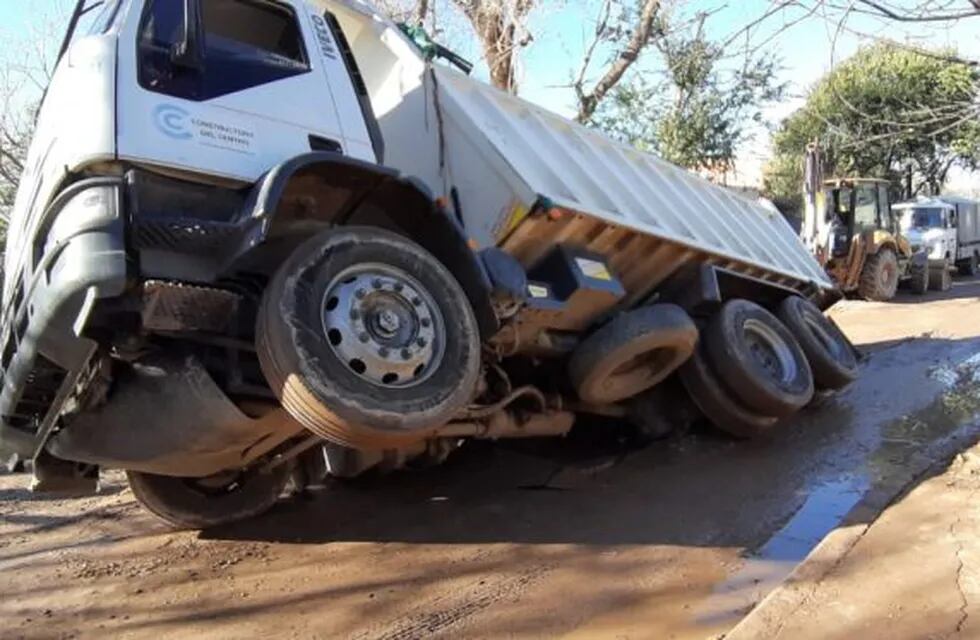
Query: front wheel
x=367 y=339
x=879 y=278
x=940 y=279
x=201 y=503
x=919 y=279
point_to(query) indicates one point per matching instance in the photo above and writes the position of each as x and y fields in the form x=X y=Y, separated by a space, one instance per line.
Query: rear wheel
x=969 y=267
x=632 y=353
x=658 y=412
x=828 y=351
x=200 y=503
x=879 y=278
x=717 y=404
x=367 y=339
x=759 y=359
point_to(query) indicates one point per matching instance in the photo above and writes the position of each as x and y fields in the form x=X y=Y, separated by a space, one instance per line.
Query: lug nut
x=421 y=342
x=354 y=314
x=360 y=293
x=383 y=352
x=425 y=322
x=406 y=354
x=376 y=283
x=364 y=337
x=417 y=302
x=399 y=287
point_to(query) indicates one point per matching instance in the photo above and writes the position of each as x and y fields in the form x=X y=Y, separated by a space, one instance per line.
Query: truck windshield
x=924 y=218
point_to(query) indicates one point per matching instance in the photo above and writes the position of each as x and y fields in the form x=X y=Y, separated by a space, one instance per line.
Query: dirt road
x=578 y=538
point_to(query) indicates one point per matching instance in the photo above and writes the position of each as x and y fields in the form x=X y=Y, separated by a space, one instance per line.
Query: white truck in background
x=263 y=240
x=947 y=228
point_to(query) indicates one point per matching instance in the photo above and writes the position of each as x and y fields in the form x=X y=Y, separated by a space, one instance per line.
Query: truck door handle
x=318 y=143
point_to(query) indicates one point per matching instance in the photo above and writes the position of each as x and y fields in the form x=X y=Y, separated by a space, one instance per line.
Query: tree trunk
x=499 y=24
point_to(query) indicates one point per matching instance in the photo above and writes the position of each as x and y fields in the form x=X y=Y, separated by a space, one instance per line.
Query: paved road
x=580 y=538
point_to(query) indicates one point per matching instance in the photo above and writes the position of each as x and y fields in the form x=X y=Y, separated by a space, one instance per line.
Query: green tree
x=883 y=112
x=699 y=108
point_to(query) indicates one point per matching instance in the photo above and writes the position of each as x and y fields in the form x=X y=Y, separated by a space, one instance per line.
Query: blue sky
x=562 y=30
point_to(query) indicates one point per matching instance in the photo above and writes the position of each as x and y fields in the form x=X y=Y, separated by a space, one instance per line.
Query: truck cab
x=930 y=226
x=183 y=151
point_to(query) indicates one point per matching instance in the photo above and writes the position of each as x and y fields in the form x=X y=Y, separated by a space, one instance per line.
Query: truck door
x=257 y=93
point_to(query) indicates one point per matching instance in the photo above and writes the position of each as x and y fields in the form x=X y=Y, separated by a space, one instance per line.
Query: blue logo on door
x=172 y=121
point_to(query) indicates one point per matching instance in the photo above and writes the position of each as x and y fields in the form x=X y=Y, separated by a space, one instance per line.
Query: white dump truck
x=948 y=229
x=263 y=240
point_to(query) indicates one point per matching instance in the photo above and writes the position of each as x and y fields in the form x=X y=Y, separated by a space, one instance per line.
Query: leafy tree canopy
x=698 y=109
x=883 y=111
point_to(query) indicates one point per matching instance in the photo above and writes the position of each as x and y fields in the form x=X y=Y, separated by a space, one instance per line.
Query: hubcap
x=383 y=325
x=770 y=351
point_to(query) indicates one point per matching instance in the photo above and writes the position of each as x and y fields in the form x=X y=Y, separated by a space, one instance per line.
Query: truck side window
x=247 y=43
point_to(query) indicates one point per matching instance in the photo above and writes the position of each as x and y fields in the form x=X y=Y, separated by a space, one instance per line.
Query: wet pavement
x=582 y=537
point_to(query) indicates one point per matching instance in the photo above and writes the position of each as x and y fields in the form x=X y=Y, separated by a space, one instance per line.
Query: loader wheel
x=717 y=404
x=632 y=353
x=919 y=279
x=200 y=503
x=940 y=279
x=759 y=359
x=828 y=351
x=969 y=267
x=879 y=278
x=367 y=339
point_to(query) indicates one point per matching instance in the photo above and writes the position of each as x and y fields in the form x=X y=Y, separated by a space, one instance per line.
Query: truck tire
x=632 y=353
x=879 y=278
x=658 y=412
x=828 y=351
x=940 y=279
x=968 y=267
x=919 y=279
x=201 y=503
x=716 y=403
x=367 y=339
x=758 y=358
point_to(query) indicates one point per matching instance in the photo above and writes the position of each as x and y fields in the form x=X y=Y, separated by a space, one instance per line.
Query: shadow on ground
x=697 y=488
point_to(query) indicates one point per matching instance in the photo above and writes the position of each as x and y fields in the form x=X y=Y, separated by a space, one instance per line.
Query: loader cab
x=857 y=207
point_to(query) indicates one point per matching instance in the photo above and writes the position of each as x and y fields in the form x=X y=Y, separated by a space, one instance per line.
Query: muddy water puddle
x=907 y=447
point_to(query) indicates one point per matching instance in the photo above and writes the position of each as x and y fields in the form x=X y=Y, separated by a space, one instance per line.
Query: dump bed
x=526 y=179
x=967 y=220
x=501 y=147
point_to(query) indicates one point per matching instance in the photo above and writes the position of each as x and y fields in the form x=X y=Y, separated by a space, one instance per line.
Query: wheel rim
x=383 y=325
x=770 y=351
x=887 y=273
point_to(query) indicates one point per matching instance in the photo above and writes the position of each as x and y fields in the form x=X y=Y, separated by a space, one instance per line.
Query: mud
x=583 y=537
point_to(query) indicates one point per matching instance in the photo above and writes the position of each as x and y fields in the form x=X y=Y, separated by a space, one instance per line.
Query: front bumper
x=42 y=348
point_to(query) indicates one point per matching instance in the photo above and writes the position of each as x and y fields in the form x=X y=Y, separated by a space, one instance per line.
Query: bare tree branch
x=640 y=38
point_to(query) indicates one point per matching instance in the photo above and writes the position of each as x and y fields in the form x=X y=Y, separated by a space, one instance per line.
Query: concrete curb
x=768 y=617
